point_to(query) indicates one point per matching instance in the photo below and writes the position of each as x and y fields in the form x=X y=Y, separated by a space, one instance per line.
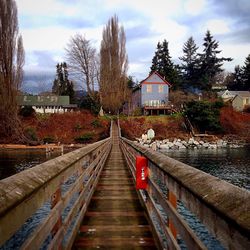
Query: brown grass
x=66 y=127
x=164 y=127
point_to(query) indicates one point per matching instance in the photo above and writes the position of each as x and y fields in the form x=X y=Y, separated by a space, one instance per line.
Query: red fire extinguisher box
x=141 y=172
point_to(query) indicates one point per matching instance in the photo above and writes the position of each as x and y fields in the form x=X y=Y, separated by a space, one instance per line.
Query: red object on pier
x=141 y=172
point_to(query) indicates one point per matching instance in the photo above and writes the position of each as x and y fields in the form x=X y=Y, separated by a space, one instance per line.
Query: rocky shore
x=191 y=143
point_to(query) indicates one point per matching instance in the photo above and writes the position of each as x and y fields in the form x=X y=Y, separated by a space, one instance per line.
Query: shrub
x=96 y=124
x=137 y=112
x=78 y=126
x=27 y=111
x=247 y=109
x=204 y=115
x=48 y=139
x=84 y=138
x=92 y=104
x=31 y=134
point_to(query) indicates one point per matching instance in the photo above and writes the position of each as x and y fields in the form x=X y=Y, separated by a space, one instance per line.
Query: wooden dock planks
x=115 y=218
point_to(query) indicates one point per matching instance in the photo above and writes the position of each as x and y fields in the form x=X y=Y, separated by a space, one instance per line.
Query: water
x=229 y=164
x=15 y=161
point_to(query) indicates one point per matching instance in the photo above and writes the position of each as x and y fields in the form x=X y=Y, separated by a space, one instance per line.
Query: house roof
x=243 y=94
x=52 y=100
x=234 y=93
x=157 y=79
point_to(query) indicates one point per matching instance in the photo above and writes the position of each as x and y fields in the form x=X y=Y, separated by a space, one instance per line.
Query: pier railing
x=66 y=183
x=222 y=208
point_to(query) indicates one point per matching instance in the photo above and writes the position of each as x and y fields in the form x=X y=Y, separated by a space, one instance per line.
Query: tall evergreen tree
x=162 y=63
x=210 y=63
x=246 y=73
x=190 y=63
x=237 y=79
x=62 y=85
x=156 y=58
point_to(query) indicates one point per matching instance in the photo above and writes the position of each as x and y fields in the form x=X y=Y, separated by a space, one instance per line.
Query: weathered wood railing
x=56 y=181
x=223 y=208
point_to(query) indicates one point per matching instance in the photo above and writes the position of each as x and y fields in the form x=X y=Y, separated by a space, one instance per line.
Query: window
x=160 y=88
x=149 y=88
x=247 y=101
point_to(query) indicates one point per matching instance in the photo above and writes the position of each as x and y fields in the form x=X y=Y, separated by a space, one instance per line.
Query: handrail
x=21 y=195
x=222 y=207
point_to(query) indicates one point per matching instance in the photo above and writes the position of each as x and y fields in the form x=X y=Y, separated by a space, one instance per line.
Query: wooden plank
x=115 y=242
x=115 y=219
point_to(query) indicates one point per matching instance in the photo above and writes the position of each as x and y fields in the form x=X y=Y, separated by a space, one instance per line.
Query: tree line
x=199 y=70
x=107 y=69
x=103 y=75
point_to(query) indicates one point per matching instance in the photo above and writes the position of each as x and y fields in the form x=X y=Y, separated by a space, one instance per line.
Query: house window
x=247 y=101
x=160 y=88
x=149 y=88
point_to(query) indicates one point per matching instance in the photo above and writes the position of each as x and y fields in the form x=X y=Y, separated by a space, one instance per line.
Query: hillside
x=234 y=125
x=75 y=127
x=164 y=126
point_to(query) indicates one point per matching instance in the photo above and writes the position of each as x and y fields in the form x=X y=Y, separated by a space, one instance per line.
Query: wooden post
x=173 y=201
x=55 y=198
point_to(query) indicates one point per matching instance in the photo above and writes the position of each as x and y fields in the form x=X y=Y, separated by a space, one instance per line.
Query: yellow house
x=241 y=101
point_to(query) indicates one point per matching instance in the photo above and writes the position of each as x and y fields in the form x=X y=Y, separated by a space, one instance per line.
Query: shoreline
x=50 y=147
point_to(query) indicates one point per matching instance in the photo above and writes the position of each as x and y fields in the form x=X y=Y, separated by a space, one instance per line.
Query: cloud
x=194 y=7
x=47 y=26
x=217 y=26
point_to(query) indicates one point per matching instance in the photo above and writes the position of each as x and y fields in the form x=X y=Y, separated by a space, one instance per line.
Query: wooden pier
x=115 y=218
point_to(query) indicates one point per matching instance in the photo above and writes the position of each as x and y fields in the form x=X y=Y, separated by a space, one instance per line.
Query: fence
x=66 y=183
x=223 y=208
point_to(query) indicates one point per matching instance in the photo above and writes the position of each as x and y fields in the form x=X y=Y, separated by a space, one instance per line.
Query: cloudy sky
x=46 y=27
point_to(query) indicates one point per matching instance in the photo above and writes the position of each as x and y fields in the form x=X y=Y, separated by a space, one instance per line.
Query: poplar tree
x=11 y=72
x=113 y=67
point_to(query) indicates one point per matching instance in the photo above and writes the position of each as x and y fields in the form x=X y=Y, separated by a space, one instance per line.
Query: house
x=241 y=101
x=229 y=95
x=151 y=95
x=46 y=104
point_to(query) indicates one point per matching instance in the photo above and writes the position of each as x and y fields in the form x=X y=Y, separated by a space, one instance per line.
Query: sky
x=47 y=26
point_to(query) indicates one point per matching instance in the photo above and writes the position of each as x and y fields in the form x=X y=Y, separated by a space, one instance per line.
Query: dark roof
x=52 y=100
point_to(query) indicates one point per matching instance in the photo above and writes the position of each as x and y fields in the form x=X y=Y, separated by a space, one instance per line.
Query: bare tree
x=113 y=66
x=11 y=72
x=82 y=60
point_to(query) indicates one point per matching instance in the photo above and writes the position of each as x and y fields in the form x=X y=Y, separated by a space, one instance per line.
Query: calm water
x=15 y=161
x=232 y=165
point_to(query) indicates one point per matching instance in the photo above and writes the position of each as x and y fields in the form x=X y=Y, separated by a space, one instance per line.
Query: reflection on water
x=229 y=164
x=15 y=161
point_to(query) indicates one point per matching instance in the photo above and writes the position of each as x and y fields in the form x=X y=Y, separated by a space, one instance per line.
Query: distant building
x=151 y=95
x=218 y=87
x=241 y=101
x=46 y=104
x=229 y=95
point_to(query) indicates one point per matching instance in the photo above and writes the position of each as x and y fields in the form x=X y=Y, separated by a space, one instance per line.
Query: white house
x=241 y=100
x=46 y=104
x=229 y=95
